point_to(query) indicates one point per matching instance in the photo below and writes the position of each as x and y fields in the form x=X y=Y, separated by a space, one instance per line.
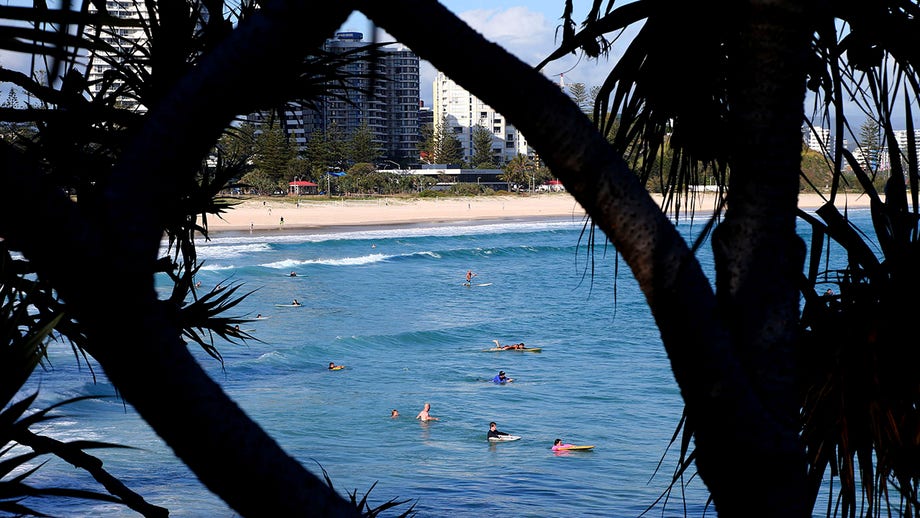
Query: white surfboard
x=505 y=438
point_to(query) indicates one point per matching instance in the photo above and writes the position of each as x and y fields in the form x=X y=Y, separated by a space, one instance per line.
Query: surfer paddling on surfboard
x=560 y=447
x=469 y=277
x=494 y=433
x=512 y=346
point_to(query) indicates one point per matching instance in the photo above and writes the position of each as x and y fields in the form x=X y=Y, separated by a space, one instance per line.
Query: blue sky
x=526 y=29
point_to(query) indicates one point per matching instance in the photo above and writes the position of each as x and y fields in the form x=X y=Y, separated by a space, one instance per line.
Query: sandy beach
x=308 y=212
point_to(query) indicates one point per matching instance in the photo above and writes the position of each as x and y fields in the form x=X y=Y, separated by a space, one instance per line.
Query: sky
x=526 y=29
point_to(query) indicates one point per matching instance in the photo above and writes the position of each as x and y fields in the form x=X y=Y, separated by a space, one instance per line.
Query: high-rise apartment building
x=126 y=41
x=819 y=139
x=389 y=106
x=463 y=112
x=901 y=137
x=425 y=116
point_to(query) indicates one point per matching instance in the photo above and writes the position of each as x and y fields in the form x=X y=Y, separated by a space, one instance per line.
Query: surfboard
x=504 y=438
x=576 y=448
x=526 y=350
x=485 y=284
x=288 y=305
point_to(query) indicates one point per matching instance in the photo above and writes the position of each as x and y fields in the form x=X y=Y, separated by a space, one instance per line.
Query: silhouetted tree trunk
x=133 y=337
x=731 y=353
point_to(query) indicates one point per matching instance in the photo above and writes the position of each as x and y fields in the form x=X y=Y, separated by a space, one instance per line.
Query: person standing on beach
x=424 y=416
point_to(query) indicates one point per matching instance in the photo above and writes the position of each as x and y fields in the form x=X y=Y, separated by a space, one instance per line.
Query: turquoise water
x=390 y=304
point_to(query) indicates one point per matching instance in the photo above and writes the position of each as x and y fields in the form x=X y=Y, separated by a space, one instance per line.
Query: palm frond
x=15 y=428
x=364 y=508
x=201 y=320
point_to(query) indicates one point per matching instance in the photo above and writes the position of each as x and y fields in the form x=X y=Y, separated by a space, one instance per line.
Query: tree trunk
x=745 y=417
x=759 y=263
x=135 y=338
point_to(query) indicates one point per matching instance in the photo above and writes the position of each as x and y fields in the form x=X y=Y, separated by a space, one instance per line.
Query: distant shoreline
x=265 y=214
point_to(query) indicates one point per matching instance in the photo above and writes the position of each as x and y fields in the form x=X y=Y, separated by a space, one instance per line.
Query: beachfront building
x=445 y=177
x=390 y=110
x=425 y=116
x=901 y=137
x=463 y=111
x=124 y=41
x=818 y=139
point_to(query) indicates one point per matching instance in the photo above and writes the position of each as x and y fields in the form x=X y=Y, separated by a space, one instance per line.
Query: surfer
x=506 y=347
x=295 y=303
x=469 y=276
x=333 y=366
x=493 y=431
x=558 y=445
x=424 y=415
x=394 y=413
x=501 y=379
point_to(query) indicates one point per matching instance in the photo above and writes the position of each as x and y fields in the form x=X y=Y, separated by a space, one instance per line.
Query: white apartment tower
x=463 y=112
x=127 y=40
x=819 y=139
x=901 y=137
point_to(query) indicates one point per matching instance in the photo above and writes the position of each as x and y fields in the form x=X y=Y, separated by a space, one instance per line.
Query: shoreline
x=306 y=213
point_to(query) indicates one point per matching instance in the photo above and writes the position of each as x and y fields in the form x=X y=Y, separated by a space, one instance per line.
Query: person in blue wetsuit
x=501 y=379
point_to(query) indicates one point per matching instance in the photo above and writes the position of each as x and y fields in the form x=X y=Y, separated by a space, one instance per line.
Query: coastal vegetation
x=802 y=391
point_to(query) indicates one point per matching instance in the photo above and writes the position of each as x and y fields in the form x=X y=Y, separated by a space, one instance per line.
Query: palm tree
x=732 y=94
x=128 y=196
x=863 y=52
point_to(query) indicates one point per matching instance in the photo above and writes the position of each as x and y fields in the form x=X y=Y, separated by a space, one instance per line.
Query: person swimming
x=424 y=415
x=501 y=379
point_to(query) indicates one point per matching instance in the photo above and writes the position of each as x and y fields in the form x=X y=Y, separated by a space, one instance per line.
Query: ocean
x=390 y=304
